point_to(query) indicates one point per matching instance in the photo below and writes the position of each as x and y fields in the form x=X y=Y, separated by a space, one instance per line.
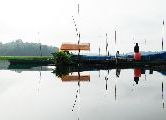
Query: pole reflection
x=82 y=77
x=162 y=89
x=117 y=76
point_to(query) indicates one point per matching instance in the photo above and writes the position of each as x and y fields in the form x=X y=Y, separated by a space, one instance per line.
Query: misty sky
x=52 y=19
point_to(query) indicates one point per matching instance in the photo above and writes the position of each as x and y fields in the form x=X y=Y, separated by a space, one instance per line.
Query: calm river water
x=38 y=94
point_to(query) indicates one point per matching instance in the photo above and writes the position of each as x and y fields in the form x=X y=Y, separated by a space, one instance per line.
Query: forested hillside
x=19 y=48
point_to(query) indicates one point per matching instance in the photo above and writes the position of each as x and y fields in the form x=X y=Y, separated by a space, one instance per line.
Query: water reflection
x=75 y=78
x=69 y=77
x=118 y=72
x=106 y=83
x=137 y=74
x=91 y=94
x=163 y=94
x=117 y=75
x=40 y=78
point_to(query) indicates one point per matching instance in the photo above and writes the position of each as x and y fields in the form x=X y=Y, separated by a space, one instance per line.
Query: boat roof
x=75 y=47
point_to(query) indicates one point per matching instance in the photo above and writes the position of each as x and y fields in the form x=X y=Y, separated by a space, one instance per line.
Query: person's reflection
x=106 y=86
x=150 y=71
x=99 y=73
x=142 y=71
x=118 y=72
x=136 y=79
x=137 y=74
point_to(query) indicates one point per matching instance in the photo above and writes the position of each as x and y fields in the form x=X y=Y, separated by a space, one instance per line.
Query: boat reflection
x=73 y=75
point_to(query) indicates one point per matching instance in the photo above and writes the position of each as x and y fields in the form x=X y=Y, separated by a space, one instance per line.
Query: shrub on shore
x=62 y=58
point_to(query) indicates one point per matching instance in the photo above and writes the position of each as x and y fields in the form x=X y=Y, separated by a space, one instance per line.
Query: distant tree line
x=19 y=48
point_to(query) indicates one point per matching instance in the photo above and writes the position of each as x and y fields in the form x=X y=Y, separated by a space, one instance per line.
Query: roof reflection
x=75 y=78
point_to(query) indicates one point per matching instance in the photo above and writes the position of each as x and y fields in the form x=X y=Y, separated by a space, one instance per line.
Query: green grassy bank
x=43 y=60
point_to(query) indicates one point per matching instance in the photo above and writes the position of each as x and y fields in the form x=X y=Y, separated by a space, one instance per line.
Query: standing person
x=136 y=48
x=137 y=54
x=117 y=56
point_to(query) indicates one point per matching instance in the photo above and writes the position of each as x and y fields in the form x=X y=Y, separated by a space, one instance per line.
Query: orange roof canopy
x=71 y=46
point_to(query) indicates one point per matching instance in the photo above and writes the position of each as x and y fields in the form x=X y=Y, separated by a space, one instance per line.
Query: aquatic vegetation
x=60 y=72
x=62 y=58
